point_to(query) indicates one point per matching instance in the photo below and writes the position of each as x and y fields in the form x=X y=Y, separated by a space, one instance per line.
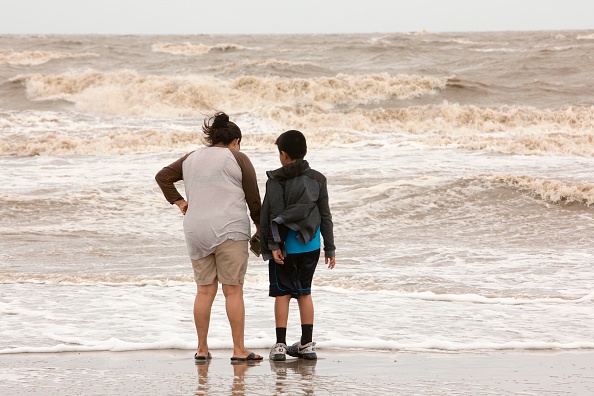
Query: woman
x=219 y=181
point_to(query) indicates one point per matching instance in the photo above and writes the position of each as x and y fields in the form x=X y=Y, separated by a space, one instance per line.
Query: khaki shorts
x=227 y=264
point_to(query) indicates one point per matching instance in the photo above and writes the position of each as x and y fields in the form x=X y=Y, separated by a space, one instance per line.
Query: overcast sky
x=295 y=16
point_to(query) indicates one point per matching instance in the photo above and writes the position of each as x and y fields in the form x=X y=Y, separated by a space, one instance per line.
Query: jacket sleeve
x=326 y=226
x=276 y=205
x=167 y=176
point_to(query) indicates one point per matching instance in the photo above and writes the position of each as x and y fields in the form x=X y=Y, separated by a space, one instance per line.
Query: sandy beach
x=174 y=372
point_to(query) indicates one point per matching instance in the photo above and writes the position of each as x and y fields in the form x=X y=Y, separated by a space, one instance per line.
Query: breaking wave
x=344 y=109
x=189 y=49
x=55 y=143
x=127 y=93
x=268 y=64
x=517 y=130
x=554 y=191
x=33 y=58
x=585 y=36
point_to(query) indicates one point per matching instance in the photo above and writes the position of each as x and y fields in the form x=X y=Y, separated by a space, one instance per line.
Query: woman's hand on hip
x=182 y=205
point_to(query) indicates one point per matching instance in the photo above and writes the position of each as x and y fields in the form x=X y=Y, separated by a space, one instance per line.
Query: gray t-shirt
x=218 y=182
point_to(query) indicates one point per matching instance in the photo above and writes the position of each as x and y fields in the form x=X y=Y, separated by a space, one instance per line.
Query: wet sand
x=337 y=372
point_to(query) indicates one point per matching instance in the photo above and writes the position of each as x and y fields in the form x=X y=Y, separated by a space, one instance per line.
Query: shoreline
x=353 y=372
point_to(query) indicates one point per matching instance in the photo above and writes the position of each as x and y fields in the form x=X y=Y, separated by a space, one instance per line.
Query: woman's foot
x=202 y=356
x=251 y=356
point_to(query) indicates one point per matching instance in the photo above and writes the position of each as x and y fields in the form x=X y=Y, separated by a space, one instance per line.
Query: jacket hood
x=289 y=171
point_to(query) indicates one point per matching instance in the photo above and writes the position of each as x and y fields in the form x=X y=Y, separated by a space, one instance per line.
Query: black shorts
x=294 y=276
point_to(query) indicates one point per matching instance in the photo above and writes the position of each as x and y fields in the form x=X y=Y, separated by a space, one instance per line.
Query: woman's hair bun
x=221 y=120
x=218 y=129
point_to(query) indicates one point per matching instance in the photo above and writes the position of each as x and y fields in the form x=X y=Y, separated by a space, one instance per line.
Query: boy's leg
x=305 y=348
x=205 y=296
x=307 y=267
x=282 y=284
x=281 y=310
x=306 y=309
x=306 y=312
x=281 y=317
x=306 y=264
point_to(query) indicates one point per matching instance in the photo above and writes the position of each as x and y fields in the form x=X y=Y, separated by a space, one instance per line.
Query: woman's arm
x=167 y=176
x=249 y=182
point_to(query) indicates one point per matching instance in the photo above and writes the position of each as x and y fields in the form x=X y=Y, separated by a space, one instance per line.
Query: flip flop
x=248 y=358
x=202 y=357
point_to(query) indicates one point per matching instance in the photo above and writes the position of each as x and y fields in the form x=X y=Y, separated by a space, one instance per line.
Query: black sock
x=281 y=335
x=306 y=333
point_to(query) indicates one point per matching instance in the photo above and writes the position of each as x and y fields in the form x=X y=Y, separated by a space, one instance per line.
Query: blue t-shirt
x=293 y=245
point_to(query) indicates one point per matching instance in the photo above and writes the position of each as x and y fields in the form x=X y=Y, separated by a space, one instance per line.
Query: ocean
x=459 y=169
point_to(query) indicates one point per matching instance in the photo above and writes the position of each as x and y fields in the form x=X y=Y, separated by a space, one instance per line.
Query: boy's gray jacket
x=296 y=198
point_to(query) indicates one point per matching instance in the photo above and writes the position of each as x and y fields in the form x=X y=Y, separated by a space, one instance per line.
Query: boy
x=294 y=214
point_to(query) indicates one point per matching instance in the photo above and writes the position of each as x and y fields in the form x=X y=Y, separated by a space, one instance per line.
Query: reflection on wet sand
x=294 y=374
x=202 y=367
x=237 y=385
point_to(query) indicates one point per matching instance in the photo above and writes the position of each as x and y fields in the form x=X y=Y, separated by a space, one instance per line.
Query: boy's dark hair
x=293 y=143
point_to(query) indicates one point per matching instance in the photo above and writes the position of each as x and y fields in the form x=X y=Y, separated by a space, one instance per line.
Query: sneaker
x=307 y=351
x=278 y=352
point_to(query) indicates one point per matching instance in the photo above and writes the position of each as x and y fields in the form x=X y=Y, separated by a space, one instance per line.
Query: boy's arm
x=326 y=226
